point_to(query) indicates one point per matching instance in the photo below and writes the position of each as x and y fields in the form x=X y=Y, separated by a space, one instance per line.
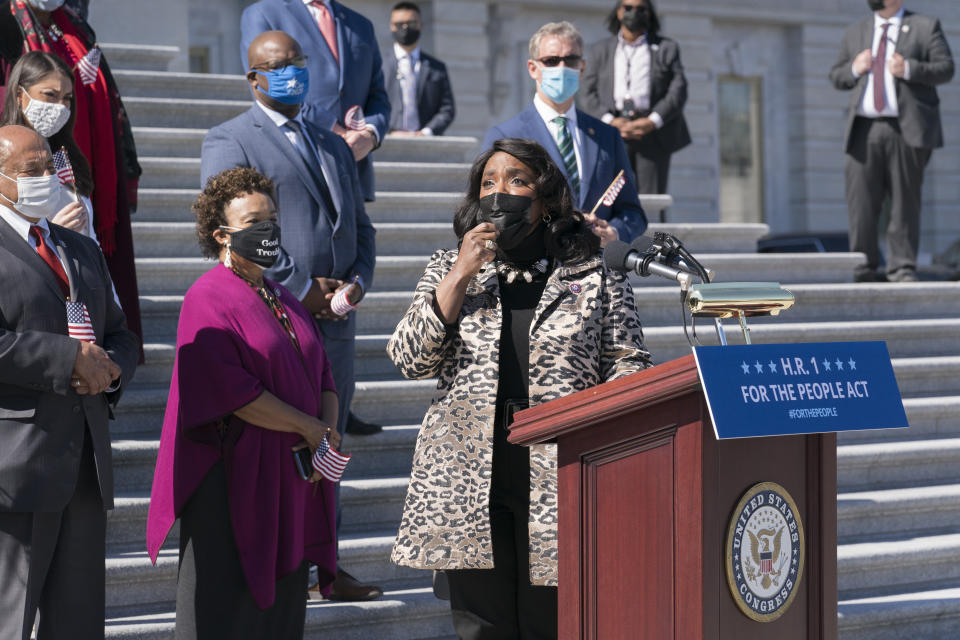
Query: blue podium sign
x=785 y=389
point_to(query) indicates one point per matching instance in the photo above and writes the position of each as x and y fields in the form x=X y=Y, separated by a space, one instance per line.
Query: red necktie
x=879 y=64
x=327 y=27
x=48 y=256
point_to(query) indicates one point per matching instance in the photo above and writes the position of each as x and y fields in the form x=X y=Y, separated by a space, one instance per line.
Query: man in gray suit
x=634 y=81
x=65 y=353
x=892 y=60
x=328 y=240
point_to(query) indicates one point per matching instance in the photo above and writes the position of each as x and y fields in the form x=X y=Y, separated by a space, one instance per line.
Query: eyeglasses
x=299 y=62
x=552 y=61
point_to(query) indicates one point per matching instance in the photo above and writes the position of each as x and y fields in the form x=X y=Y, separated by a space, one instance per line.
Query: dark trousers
x=213 y=599
x=500 y=603
x=651 y=166
x=54 y=562
x=880 y=165
x=341 y=355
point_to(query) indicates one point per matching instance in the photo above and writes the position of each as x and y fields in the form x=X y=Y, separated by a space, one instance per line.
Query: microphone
x=666 y=249
x=620 y=256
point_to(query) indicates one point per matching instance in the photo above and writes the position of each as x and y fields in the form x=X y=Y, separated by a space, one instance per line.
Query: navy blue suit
x=602 y=155
x=334 y=88
x=435 y=104
x=315 y=242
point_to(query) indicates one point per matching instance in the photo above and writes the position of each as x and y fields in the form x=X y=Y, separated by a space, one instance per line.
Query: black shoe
x=358 y=427
x=868 y=276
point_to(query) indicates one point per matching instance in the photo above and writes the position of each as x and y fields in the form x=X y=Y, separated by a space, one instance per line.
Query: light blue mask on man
x=288 y=85
x=559 y=83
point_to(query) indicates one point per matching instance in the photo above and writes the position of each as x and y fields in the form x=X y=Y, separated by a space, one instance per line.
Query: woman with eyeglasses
x=101 y=129
x=251 y=387
x=635 y=82
x=523 y=312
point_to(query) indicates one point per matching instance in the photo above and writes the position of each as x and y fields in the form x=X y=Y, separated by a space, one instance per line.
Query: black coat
x=435 y=104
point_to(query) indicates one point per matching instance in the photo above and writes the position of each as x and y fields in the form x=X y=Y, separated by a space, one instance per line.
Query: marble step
x=186 y=142
x=401 y=273
x=897 y=566
x=138 y=57
x=876 y=515
x=898 y=464
x=369 y=505
x=908 y=615
x=181 y=113
x=401 y=614
x=163 y=84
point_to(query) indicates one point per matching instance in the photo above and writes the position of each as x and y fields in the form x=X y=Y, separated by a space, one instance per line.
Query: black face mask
x=636 y=19
x=510 y=215
x=406 y=36
x=259 y=243
x=875 y=5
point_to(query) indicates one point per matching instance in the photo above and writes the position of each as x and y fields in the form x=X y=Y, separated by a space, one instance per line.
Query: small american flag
x=78 y=322
x=329 y=462
x=614 y=190
x=61 y=163
x=88 y=66
x=355 y=119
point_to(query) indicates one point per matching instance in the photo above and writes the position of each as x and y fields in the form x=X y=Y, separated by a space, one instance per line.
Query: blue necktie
x=312 y=160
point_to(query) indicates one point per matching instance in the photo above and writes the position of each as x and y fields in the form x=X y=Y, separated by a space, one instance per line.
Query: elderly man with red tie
x=65 y=354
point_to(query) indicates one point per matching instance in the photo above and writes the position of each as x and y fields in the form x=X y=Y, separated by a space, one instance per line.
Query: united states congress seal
x=765 y=551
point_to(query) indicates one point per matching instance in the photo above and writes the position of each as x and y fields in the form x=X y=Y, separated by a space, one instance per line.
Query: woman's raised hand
x=73 y=216
x=479 y=246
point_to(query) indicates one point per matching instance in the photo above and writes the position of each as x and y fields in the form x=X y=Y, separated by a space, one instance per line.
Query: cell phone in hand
x=303 y=460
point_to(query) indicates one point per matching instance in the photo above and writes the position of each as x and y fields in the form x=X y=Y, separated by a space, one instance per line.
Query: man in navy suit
x=328 y=241
x=345 y=69
x=417 y=83
x=589 y=152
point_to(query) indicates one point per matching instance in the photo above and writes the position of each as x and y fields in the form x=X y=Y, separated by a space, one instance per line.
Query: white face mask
x=46 y=118
x=46 y=5
x=37 y=197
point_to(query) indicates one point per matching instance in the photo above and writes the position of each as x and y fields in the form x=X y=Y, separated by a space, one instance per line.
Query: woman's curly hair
x=567 y=236
x=220 y=190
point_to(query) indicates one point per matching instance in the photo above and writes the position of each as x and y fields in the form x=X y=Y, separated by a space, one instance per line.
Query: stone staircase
x=899 y=502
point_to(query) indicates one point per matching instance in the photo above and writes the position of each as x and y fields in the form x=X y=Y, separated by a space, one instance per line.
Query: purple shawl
x=231 y=348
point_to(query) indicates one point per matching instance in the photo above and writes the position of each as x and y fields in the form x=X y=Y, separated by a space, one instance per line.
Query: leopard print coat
x=585 y=331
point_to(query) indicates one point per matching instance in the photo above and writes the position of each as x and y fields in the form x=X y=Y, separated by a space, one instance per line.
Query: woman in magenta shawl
x=251 y=384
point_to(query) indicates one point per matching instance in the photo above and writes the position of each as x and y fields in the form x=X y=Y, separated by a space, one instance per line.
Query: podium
x=646 y=497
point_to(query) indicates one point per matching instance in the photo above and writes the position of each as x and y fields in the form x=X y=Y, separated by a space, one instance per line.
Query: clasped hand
x=313 y=434
x=93 y=370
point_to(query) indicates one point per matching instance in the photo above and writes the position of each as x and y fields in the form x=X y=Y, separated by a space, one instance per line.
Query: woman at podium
x=523 y=312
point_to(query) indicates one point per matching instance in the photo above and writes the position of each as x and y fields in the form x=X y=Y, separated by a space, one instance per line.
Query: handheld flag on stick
x=89 y=65
x=78 y=322
x=329 y=462
x=610 y=195
x=61 y=164
x=354 y=119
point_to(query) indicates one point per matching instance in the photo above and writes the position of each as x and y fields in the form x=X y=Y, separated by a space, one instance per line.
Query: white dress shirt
x=867 y=108
x=22 y=226
x=631 y=77
x=548 y=113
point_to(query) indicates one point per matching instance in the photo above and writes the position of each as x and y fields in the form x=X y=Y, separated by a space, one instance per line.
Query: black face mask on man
x=636 y=19
x=259 y=243
x=406 y=36
x=876 y=5
x=510 y=214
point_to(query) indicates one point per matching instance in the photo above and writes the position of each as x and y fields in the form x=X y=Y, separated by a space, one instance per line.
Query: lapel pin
x=905 y=28
x=591 y=131
x=575 y=287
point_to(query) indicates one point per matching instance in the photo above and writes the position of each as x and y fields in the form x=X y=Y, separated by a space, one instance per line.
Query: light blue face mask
x=288 y=85
x=559 y=83
x=46 y=5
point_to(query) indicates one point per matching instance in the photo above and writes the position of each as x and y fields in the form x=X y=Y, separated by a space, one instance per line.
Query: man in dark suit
x=634 y=81
x=328 y=240
x=65 y=353
x=892 y=61
x=589 y=152
x=346 y=70
x=418 y=85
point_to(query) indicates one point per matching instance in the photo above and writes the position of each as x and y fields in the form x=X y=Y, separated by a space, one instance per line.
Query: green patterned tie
x=565 y=144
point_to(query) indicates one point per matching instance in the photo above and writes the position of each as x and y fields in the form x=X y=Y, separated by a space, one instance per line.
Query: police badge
x=765 y=552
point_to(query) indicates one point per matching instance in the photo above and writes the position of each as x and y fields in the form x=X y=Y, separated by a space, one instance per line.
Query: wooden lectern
x=646 y=496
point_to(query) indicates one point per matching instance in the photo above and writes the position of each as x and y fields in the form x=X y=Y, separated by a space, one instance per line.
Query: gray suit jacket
x=315 y=242
x=41 y=417
x=668 y=88
x=922 y=43
x=435 y=104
